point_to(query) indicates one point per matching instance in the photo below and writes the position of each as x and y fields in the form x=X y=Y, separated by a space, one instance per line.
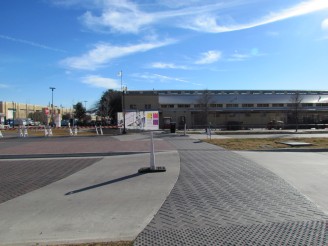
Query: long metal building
x=234 y=109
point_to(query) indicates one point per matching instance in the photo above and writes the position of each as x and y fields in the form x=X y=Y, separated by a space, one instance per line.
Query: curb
x=2 y=157
x=290 y=150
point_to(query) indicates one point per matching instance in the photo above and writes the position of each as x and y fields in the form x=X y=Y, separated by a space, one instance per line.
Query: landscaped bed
x=266 y=143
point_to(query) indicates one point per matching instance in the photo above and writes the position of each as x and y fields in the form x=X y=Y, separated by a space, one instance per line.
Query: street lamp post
x=123 y=102
x=124 y=91
x=52 y=104
x=14 y=112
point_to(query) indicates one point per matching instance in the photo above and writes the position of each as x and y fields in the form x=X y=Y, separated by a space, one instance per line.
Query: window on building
x=277 y=105
x=147 y=106
x=263 y=105
x=213 y=105
x=183 y=105
x=199 y=105
x=133 y=106
x=167 y=105
x=322 y=104
x=247 y=105
x=232 y=105
x=307 y=105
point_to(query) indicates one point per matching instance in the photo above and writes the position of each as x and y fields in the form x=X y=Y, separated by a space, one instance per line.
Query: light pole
x=52 y=104
x=124 y=90
x=14 y=112
x=123 y=102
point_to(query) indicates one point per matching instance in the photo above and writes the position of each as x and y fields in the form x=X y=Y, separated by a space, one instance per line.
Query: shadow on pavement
x=104 y=183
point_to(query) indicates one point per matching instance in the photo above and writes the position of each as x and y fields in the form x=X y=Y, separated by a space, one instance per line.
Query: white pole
x=152 y=154
x=96 y=129
x=185 y=129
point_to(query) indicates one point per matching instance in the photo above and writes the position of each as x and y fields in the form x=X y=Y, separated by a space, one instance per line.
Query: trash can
x=172 y=127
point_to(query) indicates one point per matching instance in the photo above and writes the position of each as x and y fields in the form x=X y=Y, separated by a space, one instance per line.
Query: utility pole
x=123 y=102
x=52 y=104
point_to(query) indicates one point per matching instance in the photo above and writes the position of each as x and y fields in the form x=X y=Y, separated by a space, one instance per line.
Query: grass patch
x=265 y=143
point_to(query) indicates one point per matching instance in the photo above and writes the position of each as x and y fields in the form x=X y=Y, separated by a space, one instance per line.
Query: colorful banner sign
x=144 y=120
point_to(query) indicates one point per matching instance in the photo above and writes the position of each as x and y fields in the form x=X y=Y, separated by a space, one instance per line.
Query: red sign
x=46 y=111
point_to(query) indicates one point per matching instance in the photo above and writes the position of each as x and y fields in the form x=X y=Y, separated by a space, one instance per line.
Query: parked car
x=64 y=122
x=275 y=124
x=19 y=122
x=29 y=122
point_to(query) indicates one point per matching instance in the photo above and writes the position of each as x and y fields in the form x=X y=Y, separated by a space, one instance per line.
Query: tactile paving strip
x=20 y=177
x=218 y=192
x=293 y=233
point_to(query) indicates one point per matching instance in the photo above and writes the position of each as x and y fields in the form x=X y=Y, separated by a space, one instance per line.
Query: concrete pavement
x=107 y=200
x=221 y=197
x=307 y=172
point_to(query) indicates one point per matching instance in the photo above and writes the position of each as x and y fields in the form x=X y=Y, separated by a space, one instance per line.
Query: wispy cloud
x=201 y=16
x=238 y=56
x=114 y=14
x=209 y=57
x=324 y=25
x=158 y=77
x=34 y=44
x=272 y=33
x=4 y=86
x=103 y=53
x=162 y=65
x=208 y=22
x=101 y=82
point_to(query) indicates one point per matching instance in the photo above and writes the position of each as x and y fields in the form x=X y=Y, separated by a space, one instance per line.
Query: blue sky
x=79 y=47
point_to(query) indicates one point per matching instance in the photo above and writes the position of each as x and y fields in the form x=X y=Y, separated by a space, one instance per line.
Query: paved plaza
x=222 y=198
x=208 y=196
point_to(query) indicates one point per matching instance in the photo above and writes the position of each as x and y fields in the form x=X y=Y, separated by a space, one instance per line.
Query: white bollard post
x=152 y=168
x=70 y=131
x=46 y=132
x=101 y=131
x=185 y=129
x=25 y=134
x=152 y=153
x=97 y=130
x=20 y=132
x=49 y=131
x=75 y=131
x=1 y=136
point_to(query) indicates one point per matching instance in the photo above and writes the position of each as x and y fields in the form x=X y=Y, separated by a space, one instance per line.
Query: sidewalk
x=106 y=200
x=208 y=196
x=222 y=198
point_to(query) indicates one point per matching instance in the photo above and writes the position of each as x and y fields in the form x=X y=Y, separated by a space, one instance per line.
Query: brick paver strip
x=71 y=145
x=20 y=177
x=221 y=198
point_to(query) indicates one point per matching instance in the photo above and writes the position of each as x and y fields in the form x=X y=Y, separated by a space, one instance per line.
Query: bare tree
x=204 y=104
x=296 y=105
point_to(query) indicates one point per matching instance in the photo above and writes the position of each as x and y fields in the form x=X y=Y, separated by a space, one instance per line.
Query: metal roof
x=241 y=98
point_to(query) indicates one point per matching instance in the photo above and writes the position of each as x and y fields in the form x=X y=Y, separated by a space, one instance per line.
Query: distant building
x=15 y=110
x=228 y=108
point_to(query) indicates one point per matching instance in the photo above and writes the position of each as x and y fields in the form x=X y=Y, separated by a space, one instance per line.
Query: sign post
x=152 y=167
